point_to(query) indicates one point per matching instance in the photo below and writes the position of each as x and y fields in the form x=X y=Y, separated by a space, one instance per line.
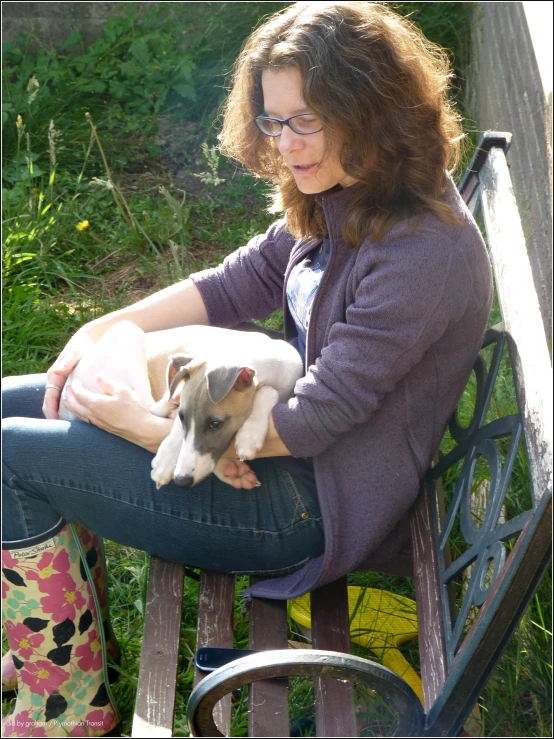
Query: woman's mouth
x=304 y=168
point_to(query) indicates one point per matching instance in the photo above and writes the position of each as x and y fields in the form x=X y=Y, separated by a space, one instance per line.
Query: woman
x=386 y=289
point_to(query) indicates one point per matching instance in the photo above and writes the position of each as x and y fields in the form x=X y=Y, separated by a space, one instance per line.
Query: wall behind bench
x=53 y=23
x=509 y=88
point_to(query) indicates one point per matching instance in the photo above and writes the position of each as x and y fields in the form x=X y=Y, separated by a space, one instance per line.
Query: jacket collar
x=334 y=202
x=338 y=194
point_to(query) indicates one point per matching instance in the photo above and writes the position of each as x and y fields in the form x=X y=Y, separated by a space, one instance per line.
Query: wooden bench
x=470 y=596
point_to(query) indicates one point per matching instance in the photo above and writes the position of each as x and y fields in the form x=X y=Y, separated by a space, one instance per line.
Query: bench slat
x=335 y=713
x=155 y=701
x=215 y=629
x=268 y=699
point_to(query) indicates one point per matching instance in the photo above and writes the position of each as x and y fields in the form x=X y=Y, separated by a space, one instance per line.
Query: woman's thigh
x=81 y=473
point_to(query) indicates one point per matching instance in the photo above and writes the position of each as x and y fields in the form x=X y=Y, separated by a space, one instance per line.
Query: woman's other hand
x=119 y=410
x=58 y=373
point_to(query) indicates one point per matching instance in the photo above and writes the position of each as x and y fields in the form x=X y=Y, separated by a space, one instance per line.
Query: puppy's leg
x=251 y=435
x=163 y=464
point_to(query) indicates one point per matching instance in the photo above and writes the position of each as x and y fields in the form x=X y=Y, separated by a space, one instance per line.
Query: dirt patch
x=139 y=277
x=130 y=282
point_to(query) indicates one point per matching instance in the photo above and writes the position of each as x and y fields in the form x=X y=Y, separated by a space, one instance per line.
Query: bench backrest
x=478 y=556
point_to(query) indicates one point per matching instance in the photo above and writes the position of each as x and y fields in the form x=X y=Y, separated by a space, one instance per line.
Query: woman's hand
x=118 y=409
x=58 y=373
x=236 y=473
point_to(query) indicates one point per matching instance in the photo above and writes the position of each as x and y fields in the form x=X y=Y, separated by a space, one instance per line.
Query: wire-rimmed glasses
x=304 y=123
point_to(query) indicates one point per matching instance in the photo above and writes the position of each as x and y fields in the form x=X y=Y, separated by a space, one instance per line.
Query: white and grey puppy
x=217 y=384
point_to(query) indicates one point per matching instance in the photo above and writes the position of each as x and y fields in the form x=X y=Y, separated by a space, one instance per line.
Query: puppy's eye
x=215 y=424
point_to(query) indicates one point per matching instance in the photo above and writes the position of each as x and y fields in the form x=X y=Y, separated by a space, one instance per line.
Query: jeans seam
x=296 y=495
x=276 y=571
x=290 y=527
x=23 y=502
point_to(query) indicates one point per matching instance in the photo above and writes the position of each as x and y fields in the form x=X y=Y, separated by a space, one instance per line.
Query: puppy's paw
x=163 y=469
x=164 y=408
x=250 y=438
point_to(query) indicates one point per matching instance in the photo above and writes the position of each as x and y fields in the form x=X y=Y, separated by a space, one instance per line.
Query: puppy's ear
x=178 y=370
x=222 y=379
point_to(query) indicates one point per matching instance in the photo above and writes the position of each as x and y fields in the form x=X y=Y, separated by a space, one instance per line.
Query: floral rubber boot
x=96 y=560
x=51 y=618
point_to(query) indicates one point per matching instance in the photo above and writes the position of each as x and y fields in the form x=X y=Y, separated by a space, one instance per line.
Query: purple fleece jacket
x=394 y=331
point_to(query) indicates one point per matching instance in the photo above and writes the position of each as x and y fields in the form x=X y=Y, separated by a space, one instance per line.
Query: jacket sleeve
x=249 y=282
x=407 y=294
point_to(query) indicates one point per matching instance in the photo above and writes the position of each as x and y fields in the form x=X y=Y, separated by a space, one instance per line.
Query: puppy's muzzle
x=184 y=481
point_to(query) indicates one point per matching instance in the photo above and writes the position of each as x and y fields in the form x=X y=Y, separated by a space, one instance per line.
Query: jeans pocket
x=300 y=537
x=305 y=504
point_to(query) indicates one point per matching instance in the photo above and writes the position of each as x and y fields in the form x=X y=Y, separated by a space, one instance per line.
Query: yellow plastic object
x=380 y=621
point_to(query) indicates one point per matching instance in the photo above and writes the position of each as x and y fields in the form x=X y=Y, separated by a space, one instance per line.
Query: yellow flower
x=83 y=225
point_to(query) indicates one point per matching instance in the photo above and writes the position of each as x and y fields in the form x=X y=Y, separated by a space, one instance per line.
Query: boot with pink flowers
x=93 y=548
x=53 y=623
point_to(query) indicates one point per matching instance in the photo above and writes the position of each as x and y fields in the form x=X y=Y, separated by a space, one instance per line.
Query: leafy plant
x=181 y=214
x=212 y=160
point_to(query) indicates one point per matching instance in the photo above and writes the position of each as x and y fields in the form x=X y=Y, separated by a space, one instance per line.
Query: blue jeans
x=75 y=471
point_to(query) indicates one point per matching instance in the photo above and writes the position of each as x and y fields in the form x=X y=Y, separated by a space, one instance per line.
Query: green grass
x=150 y=131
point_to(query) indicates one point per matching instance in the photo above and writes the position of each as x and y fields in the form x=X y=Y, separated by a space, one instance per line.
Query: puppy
x=216 y=383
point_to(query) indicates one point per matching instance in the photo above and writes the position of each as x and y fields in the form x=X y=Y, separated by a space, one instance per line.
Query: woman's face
x=304 y=154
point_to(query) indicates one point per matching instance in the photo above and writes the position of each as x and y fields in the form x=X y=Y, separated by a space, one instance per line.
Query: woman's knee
x=17 y=443
x=23 y=395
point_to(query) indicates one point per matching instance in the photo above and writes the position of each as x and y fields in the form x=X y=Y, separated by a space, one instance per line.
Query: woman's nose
x=289 y=141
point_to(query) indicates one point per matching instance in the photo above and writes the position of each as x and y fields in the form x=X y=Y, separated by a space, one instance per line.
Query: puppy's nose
x=184 y=481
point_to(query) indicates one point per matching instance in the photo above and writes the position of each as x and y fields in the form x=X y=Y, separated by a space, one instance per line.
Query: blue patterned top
x=302 y=286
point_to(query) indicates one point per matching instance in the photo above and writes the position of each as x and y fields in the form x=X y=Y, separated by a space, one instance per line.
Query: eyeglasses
x=305 y=123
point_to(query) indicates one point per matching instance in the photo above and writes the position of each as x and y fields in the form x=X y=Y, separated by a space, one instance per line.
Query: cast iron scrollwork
x=486 y=549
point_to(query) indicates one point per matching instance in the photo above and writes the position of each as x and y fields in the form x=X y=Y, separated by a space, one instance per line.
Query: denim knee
x=25 y=513
x=23 y=396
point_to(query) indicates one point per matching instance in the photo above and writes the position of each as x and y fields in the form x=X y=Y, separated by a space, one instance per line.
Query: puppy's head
x=214 y=401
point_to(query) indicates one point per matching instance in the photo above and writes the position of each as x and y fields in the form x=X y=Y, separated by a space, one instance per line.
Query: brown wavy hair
x=381 y=90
